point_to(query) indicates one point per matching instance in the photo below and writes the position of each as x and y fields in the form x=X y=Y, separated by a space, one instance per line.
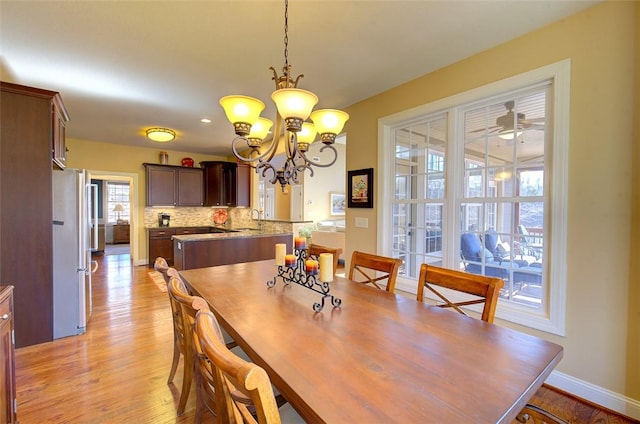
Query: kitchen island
x=212 y=249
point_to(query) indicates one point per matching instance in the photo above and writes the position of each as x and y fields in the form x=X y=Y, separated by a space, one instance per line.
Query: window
x=117 y=198
x=475 y=188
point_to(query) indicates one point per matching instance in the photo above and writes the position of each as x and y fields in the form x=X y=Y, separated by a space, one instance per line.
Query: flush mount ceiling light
x=294 y=107
x=161 y=135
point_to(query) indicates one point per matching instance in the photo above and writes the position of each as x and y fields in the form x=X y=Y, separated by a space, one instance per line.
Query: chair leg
x=187 y=379
x=200 y=406
x=176 y=359
x=538 y=415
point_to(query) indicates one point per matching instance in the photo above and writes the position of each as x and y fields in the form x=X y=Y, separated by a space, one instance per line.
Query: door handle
x=5 y=317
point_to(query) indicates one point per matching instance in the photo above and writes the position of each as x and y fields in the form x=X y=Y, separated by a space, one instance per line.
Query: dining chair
x=316 y=249
x=161 y=266
x=242 y=389
x=372 y=269
x=183 y=338
x=203 y=372
x=484 y=289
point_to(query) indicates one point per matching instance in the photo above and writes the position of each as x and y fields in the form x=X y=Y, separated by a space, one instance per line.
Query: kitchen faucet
x=259 y=217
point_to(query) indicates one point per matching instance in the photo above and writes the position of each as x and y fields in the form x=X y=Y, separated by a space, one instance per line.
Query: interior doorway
x=109 y=215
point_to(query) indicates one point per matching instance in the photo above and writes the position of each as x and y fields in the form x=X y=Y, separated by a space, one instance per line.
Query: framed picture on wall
x=337 y=203
x=360 y=188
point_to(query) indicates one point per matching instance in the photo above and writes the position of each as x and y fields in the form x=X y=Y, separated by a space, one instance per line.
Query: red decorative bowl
x=187 y=162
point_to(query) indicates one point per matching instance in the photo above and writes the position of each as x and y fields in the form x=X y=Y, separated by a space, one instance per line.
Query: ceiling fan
x=504 y=124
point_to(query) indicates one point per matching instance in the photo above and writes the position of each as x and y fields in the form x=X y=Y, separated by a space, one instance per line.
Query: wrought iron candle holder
x=296 y=273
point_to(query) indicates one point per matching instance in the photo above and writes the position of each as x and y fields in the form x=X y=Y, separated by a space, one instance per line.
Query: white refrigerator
x=74 y=217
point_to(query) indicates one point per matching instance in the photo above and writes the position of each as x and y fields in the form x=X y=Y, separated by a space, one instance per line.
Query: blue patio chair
x=473 y=253
x=501 y=251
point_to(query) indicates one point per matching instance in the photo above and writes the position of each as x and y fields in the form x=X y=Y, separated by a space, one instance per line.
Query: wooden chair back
x=183 y=334
x=367 y=268
x=316 y=249
x=485 y=289
x=238 y=384
x=203 y=370
x=161 y=266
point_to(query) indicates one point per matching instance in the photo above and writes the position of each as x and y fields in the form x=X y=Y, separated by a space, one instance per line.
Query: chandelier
x=294 y=107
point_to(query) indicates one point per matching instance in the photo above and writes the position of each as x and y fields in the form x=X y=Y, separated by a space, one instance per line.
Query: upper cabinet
x=60 y=118
x=226 y=183
x=26 y=184
x=243 y=185
x=174 y=185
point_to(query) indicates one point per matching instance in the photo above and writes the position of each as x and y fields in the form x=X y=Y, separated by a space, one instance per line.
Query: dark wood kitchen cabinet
x=160 y=243
x=59 y=147
x=243 y=185
x=226 y=183
x=7 y=353
x=28 y=117
x=169 y=185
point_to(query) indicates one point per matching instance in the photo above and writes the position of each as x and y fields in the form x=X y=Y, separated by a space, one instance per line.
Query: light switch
x=362 y=222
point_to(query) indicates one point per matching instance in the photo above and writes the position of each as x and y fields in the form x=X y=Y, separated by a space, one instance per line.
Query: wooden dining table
x=377 y=358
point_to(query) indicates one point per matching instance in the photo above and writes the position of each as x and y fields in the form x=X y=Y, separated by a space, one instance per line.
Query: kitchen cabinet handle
x=5 y=317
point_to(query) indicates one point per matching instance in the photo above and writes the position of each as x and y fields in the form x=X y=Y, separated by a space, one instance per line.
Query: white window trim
x=551 y=320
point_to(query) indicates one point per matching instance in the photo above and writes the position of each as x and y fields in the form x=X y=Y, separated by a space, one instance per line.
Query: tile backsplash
x=203 y=217
x=193 y=217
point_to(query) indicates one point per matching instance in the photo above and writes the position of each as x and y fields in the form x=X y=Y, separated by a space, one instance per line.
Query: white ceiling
x=124 y=66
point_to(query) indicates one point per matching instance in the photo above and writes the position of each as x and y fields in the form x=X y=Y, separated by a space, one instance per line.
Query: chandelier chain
x=286 y=37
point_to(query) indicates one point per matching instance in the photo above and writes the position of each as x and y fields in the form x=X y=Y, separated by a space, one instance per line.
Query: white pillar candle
x=326 y=267
x=281 y=251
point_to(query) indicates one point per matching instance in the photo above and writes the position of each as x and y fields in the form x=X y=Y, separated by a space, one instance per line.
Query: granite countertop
x=231 y=235
x=174 y=227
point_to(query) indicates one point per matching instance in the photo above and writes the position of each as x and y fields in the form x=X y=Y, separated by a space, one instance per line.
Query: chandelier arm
x=243 y=158
x=264 y=167
x=320 y=165
x=292 y=145
x=275 y=140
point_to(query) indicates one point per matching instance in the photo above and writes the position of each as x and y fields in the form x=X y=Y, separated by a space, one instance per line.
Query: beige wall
x=323 y=182
x=600 y=43
x=118 y=159
x=633 y=331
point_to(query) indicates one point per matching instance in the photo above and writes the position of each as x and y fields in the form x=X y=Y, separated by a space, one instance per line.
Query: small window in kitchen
x=118 y=210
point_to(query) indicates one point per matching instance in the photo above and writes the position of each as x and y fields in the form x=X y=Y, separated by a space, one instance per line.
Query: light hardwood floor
x=117 y=372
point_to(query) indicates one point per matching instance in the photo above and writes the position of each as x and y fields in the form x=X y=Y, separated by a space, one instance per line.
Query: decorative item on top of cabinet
x=7 y=350
x=169 y=185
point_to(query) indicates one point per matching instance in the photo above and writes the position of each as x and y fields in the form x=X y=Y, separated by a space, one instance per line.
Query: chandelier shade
x=307 y=134
x=242 y=111
x=329 y=121
x=260 y=128
x=294 y=105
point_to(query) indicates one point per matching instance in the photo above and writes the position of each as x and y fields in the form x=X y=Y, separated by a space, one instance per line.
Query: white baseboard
x=140 y=262
x=596 y=394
